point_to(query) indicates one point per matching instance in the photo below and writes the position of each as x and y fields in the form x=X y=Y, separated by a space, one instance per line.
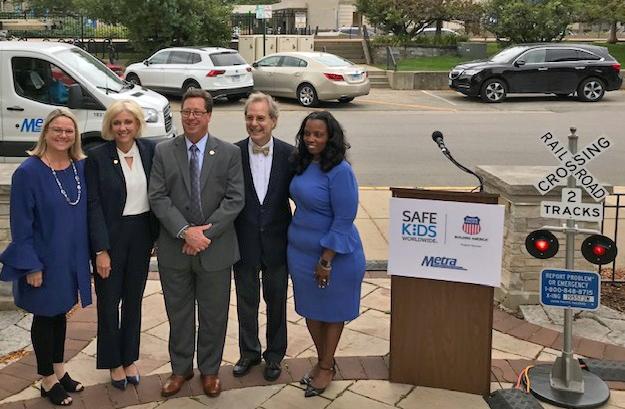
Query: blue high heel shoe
x=119 y=384
x=134 y=379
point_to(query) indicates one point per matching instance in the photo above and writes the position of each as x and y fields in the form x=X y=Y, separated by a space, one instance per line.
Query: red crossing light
x=599 y=249
x=542 y=244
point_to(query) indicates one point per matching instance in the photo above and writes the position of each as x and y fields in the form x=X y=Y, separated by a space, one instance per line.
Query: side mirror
x=146 y=62
x=75 y=98
x=519 y=63
x=255 y=65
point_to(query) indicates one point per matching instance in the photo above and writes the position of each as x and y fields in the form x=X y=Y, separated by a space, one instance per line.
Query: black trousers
x=48 y=337
x=274 y=282
x=118 y=338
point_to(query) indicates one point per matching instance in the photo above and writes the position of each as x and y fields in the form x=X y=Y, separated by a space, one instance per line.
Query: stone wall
x=6 y=171
x=520 y=271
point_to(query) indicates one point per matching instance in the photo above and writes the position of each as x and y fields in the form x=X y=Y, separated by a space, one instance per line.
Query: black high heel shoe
x=56 y=395
x=306 y=379
x=119 y=384
x=313 y=391
x=71 y=385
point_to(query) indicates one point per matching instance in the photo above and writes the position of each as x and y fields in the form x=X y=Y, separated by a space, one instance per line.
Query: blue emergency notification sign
x=570 y=288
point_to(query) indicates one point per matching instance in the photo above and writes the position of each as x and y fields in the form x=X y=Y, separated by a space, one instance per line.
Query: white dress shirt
x=260 y=166
x=136 y=182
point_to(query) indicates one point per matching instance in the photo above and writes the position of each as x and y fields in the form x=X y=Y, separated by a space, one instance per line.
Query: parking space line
x=411 y=105
x=439 y=97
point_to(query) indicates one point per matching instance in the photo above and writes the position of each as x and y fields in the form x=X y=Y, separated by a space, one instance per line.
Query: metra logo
x=419 y=226
x=442 y=262
x=31 y=125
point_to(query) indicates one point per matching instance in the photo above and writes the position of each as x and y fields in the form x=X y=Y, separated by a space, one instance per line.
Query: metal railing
x=620 y=204
x=391 y=64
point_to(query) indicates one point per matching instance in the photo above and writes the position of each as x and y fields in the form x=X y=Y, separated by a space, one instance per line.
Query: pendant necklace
x=58 y=182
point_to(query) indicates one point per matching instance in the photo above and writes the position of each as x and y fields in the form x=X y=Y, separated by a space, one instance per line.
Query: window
x=160 y=58
x=534 y=56
x=586 y=56
x=40 y=80
x=269 y=61
x=195 y=58
x=331 y=60
x=561 y=55
x=293 y=62
x=226 y=59
x=178 y=57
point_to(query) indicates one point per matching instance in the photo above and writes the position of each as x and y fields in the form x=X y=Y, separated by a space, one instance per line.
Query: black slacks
x=48 y=336
x=274 y=282
x=118 y=338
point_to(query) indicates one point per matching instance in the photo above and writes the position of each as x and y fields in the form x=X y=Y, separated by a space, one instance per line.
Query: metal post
x=566 y=374
x=264 y=32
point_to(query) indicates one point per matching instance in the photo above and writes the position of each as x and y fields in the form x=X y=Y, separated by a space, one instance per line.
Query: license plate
x=450 y=82
x=235 y=78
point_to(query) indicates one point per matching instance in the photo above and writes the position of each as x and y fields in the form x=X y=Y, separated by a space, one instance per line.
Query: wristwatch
x=325 y=263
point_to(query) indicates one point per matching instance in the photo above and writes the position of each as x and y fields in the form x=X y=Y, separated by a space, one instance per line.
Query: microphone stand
x=463 y=168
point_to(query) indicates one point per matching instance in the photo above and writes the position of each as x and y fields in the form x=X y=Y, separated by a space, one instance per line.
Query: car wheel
x=346 y=100
x=307 y=95
x=133 y=78
x=188 y=85
x=493 y=90
x=591 y=90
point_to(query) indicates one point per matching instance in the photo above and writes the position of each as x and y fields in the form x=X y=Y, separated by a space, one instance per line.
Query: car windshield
x=227 y=59
x=332 y=60
x=91 y=68
x=507 y=54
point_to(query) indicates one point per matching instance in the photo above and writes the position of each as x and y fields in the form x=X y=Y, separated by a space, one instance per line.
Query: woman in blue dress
x=48 y=257
x=325 y=255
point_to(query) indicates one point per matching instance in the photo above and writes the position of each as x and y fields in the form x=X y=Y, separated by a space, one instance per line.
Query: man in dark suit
x=196 y=191
x=262 y=232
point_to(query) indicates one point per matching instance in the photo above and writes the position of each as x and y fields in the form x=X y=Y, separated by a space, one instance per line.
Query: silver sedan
x=310 y=77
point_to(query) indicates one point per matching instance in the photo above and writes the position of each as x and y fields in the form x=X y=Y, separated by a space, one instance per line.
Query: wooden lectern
x=441 y=331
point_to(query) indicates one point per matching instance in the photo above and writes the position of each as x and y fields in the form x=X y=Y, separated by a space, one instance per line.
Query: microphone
x=437 y=136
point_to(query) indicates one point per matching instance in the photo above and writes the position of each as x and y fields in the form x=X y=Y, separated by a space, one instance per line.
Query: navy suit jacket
x=262 y=229
x=107 y=192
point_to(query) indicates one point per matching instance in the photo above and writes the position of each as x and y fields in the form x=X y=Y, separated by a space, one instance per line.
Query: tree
x=407 y=18
x=528 y=21
x=43 y=6
x=604 y=11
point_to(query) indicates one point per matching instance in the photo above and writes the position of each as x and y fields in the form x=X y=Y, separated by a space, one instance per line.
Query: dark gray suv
x=561 y=69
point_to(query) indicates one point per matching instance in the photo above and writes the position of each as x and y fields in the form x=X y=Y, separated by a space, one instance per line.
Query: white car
x=430 y=31
x=220 y=71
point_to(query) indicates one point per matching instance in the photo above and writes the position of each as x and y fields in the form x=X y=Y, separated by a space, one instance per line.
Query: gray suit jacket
x=222 y=193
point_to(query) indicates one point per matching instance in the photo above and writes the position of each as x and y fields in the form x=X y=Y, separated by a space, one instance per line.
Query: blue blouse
x=48 y=235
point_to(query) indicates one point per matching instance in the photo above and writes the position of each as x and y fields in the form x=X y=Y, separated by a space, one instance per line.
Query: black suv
x=560 y=69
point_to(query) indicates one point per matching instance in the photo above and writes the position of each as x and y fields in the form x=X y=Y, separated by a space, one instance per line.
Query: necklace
x=58 y=182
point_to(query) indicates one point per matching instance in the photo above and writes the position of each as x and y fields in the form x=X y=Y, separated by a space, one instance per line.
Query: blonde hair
x=274 y=111
x=115 y=109
x=75 y=152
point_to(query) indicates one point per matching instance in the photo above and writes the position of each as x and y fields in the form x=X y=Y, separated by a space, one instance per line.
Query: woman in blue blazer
x=122 y=231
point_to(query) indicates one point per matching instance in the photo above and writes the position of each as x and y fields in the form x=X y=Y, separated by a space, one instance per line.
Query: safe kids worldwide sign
x=448 y=241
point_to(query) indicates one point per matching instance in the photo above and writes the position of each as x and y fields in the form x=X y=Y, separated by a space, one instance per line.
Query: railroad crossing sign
x=572 y=208
x=573 y=165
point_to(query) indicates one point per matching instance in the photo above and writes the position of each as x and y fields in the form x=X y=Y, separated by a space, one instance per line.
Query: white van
x=36 y=77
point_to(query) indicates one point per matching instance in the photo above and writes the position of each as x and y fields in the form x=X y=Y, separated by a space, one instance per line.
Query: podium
x=441 y=331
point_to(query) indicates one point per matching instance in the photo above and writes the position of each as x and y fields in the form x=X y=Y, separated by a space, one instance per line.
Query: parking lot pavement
x=438 y=101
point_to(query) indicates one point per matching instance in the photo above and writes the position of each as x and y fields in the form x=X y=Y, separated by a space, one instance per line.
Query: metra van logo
x=442 y=262
x=419 y=226
x=471 y=225
x=31 y=125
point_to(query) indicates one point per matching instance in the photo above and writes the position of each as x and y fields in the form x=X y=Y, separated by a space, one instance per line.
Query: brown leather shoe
x=174 y=383
x=211 y=385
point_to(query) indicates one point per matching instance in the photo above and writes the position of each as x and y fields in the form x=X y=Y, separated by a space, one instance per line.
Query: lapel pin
x=211 y=152
x=115 y=161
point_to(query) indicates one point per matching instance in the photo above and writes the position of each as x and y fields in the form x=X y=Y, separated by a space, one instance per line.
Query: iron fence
x=281 y=22
x=615 y=273
x=58 y=26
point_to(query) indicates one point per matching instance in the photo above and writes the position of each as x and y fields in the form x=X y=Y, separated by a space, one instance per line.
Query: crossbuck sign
x=571 y=206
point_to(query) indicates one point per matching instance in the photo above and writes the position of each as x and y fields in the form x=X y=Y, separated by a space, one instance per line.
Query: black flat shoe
x=272 y=371
x=243 y=366
x=56 y=395
x=70 y=385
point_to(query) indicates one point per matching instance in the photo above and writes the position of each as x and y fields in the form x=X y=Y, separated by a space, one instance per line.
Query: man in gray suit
x=196 y=191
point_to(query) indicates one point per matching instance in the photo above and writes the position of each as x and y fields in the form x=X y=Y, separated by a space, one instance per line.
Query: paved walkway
x=362 y=355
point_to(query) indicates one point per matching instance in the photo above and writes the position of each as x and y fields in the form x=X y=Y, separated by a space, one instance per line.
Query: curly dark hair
x=334 y=152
